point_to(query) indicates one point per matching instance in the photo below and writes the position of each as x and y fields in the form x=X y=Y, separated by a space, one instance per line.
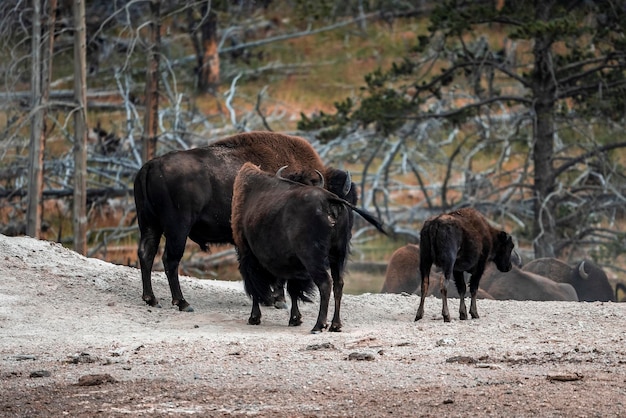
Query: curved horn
x=348 y=184
x=321 y=178
x=581 y=270
x=280 y=170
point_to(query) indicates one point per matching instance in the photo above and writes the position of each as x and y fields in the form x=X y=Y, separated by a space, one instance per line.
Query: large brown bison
x=188 y=194
x=284 y=230
x=589 y=280
x=457 y=242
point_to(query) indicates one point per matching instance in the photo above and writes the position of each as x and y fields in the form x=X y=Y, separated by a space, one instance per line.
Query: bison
x=518 y=284
x=402 y=274
x=189 y=193
x=457 y=242
x=284 y=230
x=589 y=280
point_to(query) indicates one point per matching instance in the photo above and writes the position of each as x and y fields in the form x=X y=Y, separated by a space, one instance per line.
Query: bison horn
x=581 y=270
x=321 y=178
x=280 y=171
x=348 y=184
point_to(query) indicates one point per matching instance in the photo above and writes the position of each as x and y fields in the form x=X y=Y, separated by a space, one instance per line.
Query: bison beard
x=461 y=241
x=288 y=231
x=188 y=194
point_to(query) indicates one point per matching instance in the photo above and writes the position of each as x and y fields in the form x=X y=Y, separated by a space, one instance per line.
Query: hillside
x=65 y=317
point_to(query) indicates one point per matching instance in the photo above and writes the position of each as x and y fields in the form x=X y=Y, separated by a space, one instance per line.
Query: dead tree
x=80 y=128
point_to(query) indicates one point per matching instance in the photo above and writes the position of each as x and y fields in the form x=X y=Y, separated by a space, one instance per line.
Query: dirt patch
x=67 y=319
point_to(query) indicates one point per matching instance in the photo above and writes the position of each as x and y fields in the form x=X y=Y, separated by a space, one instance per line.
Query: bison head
x=340 y=183
x=503 y=247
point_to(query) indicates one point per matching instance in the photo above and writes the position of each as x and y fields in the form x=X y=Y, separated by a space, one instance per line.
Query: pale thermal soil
x=66 y=317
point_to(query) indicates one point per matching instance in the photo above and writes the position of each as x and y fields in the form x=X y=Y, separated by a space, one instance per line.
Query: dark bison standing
x=188 y=194
x=458 y=242
x=285 y=230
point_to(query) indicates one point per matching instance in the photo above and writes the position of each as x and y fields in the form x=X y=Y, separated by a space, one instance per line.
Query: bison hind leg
x=461 y=287
x=255 y=315
x=298 y=288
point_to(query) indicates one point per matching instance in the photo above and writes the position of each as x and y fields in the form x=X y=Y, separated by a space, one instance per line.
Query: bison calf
x=285 y=230
x=458 y=242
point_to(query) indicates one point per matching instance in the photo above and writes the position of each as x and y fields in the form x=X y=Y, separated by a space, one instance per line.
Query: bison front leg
x=255 y=315
x=323 y=282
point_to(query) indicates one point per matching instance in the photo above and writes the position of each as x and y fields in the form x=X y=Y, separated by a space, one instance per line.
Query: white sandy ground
x=69 y=316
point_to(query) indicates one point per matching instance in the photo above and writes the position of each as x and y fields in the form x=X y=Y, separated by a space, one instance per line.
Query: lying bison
x=402 y=274
x=188 y=194
x=518 y=284
x=458 y=242
x=589 y=280
x=285 y=230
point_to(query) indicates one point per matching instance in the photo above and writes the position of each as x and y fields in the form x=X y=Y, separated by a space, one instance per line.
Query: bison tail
x=258 y=282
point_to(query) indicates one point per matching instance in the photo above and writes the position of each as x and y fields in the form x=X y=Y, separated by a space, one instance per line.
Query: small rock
x=361 y=356
x=95 y=379
x=461 y=360
x=446 y=342
x=40 y=373
x=322 y=346
x=565 y=377
x=82 y=358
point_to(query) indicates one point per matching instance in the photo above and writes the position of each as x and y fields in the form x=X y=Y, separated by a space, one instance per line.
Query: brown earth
x=77 y=340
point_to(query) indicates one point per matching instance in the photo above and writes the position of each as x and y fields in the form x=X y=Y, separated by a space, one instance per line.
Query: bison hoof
x=280 y=304
x=319 y=328
x=183 y=306
x=475 y=316
x=295 y=321
x=446 y=318
x=335 y=328
x=254 y=321
x=463 y=316
x=151 y=301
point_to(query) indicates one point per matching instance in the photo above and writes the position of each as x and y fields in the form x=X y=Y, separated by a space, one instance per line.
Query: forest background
x=514 y=108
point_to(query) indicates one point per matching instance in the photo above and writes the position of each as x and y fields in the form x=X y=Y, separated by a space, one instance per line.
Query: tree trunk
x=543 y=148
x=35 y=154
x=151 y=116
x=80 y=128
x=40 y=92
x=209 y=74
